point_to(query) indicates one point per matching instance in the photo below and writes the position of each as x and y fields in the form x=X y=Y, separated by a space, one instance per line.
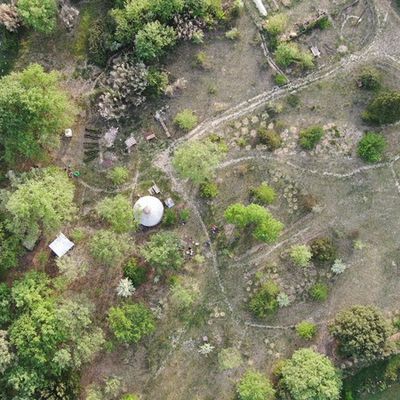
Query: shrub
x=157 y=81
x=264 y=194
x=310 y=375
x=118 y=175
x=283 y=300
x=306 y=330
x=383 y=109
x=182 y=297
x=117 y=212
x=287 y=54
x=255 y=386
x=280 y=79
x=229 y=358
x=5 y=305
x=38 y=14
x=370 y=79
x=270 y=138
x=233 y=34
x=208 y=190
x=265 y=227
x=186 y=120
x=301 y=255
x=264 y=301
x=170 y=218
x=135 y=273
x=109 y=248
x=371 y=147
x=131 y=322
x=323 y=249
x=362 y=331
x=152 y=41
x=163 y=251
x=319 y=292
x=184 y=215
x=130 y=397
x=276 y=24
x=338 y=267
x=310 y=137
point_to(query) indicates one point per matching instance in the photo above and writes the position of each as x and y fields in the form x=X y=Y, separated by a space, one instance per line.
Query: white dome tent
x=148 y=211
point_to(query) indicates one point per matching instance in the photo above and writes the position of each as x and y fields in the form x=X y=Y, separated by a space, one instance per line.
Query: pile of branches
x=188 y=26
x=126 y=84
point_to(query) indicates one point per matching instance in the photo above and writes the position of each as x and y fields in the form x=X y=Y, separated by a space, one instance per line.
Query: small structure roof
x=148 y=211
x=61 y=245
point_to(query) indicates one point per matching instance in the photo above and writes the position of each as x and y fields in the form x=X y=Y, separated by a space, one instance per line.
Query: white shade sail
x=148 y=211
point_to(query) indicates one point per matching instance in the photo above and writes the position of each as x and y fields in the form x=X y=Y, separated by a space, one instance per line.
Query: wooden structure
x=129 y=143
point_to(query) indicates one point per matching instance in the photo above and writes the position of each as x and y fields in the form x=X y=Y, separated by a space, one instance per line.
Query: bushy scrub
x=287 y=54
x=117 y=212
x=264 y=302
x=301 y=255
x=131 y=322
x=276 y=24
x=264 y=227
x=10 y=249
x=183 y=297
x=306 y=330
x=233 y=34
x=319 y=292
x=157 y=81
x=255 y=386
x=362 y=331
x=323 y=249
x=264 y=193
x=118 y=175
x=270 y=138
x=38 y=14
x=370 y=79
x=371 y=147
x=5 y=305
x=383 y=109
x=229 y=358
x=170 y=218
x=310 y=137
x=209 y=190
x=186 y=120
x=163 y=252
x=134 y=272
x=310 y=375
x=109 y=248
x=153 y=40
x=280 y=79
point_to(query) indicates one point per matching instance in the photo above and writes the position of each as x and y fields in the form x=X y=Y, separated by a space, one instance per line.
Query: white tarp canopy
x=61 y=245
x=148 y=211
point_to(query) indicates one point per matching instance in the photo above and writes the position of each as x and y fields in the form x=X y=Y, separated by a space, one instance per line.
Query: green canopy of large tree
x=197 y=160
x=40 y=204
x=309 y=375
x=33 y=111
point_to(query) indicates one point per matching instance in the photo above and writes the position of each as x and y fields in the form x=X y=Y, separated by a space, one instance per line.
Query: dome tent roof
x=148 y=211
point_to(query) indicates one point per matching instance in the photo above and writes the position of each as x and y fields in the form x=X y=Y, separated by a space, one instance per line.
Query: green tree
x=117 y=212
x=301 y=255
x=255 y=386
x=38 y=14
x=108 y=247
x=370 y=79
x=362 y=331
x=371 y=147
x=197 y=160
x=153 y=40
x=163 y=251
x=383 y=109
x=5 y=305
x=10 y=249
x=166 y=9
x=310 y=376
x=118 y=175
x=131 y=322
x=33 y=112
x=41 y=204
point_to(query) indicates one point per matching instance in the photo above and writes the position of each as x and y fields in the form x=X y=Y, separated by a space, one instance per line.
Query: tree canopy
x=255 y=386
x=41 y=203
x=197 y=160
x=33 y=112
x=362 y=331
x=38 y=14
x=310 y=376
x=383 y=109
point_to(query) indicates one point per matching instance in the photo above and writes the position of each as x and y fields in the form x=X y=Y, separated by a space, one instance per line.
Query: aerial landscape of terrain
x=199 y=200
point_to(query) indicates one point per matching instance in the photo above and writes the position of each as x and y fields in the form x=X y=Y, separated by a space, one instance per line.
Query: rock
x=342 y=49
x=245 y=121
x=271 y=126
x=254 y=119
x=253 y=133
x=245 y=131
